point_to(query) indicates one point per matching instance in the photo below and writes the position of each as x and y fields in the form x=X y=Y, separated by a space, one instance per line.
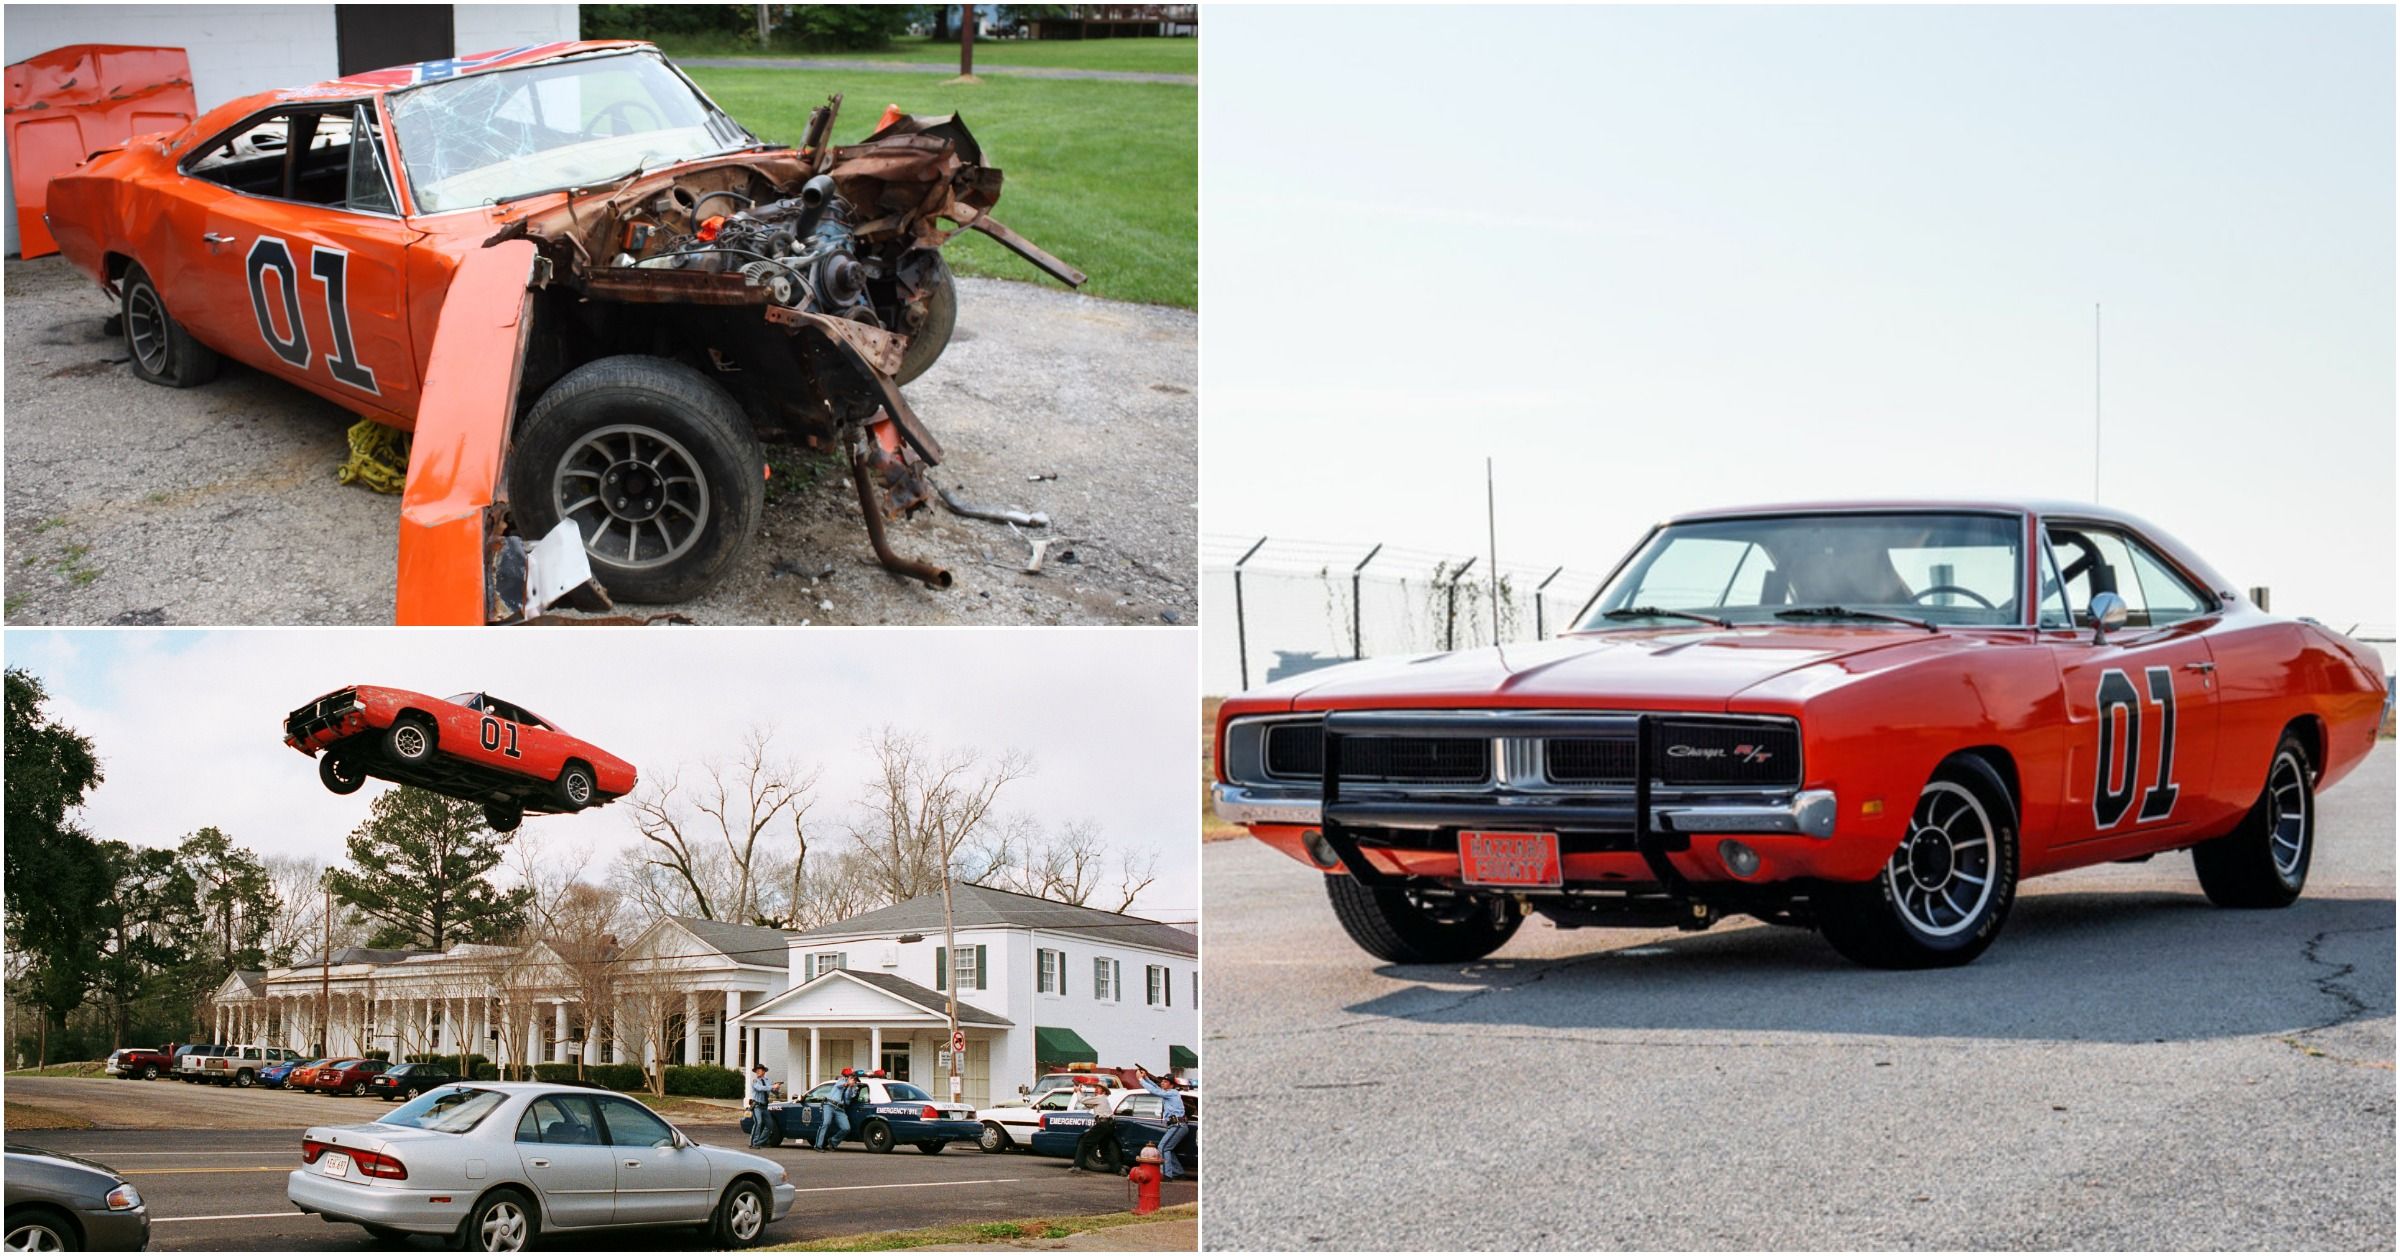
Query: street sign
x=958 y=1040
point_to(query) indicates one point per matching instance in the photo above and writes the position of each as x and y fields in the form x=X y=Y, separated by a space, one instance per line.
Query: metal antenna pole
x=1241 y=629
x=2095 y=402
x=1357 y=629
x=1491 y=532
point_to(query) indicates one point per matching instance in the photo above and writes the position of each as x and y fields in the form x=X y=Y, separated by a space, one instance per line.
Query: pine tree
x=57 y=876
x=417 y=869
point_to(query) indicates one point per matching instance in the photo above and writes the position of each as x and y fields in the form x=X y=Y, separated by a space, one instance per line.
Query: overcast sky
x=1656 y=259
x=189 y=724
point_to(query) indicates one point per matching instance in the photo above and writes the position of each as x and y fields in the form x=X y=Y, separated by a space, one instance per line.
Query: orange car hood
x=1675 y=667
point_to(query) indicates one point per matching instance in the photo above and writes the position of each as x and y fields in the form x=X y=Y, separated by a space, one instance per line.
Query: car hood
x=1674 y=668
x=60 y=1159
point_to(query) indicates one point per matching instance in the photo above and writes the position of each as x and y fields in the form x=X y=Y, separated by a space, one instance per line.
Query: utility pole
x=325 y=977
x=2095 y=403
x=950 y=957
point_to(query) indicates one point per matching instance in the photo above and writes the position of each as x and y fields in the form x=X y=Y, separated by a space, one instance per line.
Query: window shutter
x=979 y=977
x=1166 y=984
x=941 y=968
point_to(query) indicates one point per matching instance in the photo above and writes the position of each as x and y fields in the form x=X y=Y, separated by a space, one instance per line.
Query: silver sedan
x=490 y=1165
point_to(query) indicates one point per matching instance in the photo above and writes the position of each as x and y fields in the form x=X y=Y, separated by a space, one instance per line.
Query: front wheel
x=657 y=465
x=40 y=1229
x=1947 y=890
x=878 y=1137
x=410 y=740
x=340 y=773
x=1410 y=926
x=161 y=351
x=741 y=1215
x=2264 y=863
x=1098 y=1155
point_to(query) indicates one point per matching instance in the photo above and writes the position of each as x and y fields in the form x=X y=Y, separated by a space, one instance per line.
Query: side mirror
x=1024 y=1089
x=2108 y=614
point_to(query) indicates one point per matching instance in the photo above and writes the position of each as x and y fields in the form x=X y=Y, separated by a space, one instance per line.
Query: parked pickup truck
x=146 y=1063
x=232 y=1066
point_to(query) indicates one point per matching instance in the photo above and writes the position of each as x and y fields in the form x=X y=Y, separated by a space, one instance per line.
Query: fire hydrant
x=1144 y=1177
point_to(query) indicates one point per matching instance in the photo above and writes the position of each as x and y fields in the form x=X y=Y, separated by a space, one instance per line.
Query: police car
x=1108 y=1142
x=886 y=1114
x=1009 y=1126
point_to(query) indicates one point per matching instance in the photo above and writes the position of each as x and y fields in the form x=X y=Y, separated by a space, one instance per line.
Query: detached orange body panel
x=68 y=103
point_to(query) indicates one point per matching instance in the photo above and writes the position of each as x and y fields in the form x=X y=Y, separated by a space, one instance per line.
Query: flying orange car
x=1872 y=719
x=584 y=288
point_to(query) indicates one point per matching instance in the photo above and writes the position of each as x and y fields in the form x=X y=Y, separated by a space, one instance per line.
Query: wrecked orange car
x=585 y=290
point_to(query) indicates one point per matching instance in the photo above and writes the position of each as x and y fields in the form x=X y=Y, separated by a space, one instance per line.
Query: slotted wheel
x=1941 y=877
x=635 y=493
x=146 y=328
x=503 y=1228
x=747 y=1217
x=2288 y=803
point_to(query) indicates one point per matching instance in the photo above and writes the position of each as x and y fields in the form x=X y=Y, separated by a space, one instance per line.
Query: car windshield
x=450 y=1110
x=561 y=124
x=902 y=1090
x=1802 y=569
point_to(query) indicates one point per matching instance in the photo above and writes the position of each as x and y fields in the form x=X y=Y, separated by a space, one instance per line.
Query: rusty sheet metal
x=677 y=287
x=1028 y=250
x=880 y=349
x=68 y=103
x=450 y=508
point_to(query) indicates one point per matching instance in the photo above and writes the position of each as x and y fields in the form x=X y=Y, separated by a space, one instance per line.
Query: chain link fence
x=1277 y=607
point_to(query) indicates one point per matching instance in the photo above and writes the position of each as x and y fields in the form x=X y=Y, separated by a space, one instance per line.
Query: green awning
x=1061 y=1046
x=1182 y=1057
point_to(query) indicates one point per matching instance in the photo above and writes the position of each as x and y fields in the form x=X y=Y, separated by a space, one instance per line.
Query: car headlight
x=124 y=1198
x=783 y=1175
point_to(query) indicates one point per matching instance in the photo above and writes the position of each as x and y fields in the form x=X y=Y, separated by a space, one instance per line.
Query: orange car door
x=2141 y=700
x=297 y=261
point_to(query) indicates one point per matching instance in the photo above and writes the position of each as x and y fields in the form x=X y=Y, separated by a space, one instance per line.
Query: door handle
x=213 y=238
x=540 y=1164
x=2199 y=667
x=633 y=1164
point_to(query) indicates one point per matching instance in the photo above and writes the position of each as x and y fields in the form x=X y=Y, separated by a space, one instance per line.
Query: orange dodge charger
x=583 y=287
x=1869 y=719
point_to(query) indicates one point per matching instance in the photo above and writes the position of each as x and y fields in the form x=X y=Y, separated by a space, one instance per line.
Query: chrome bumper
x=1808 y=813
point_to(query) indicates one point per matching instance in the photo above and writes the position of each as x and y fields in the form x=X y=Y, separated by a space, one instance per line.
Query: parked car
x=344 y=1077
x=182 y=1066
x=236 y=1065
x=146 y=1063
x=1105 y=1079
x=886 y=1114
x=1009 y=1126
x=1870 y=719
x=407 y=1081
x=493 y=1165
x=468 y=745
x=1109 y=1141
x=278 y=1076
x=696 y=287
x=63 y=1203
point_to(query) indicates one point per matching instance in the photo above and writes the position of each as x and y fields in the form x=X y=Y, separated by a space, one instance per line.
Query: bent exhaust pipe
x=870 y=504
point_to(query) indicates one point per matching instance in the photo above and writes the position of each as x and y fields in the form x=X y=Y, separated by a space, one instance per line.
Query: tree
x=928 y=814
x=235 y=894
x=418 y=872
x=148 y=918
x=58 y=878
x=589 y=921
x=1075 y=866
x=707 y=846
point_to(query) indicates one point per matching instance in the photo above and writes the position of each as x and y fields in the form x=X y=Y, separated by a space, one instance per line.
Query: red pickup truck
x=147 y=1063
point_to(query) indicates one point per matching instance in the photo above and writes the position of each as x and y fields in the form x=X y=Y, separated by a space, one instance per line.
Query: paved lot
x=222 y=1189
x=2128 y=1067
x=129 y=503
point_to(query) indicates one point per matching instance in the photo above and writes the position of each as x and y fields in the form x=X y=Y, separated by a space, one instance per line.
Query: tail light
x=310 y=1149
x=931 y=1113
x=1044 y=1123
x=373 y=1164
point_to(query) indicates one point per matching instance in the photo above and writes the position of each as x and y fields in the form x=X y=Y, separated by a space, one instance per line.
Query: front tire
x=2264 y=863
x=932 y=1146
x=339 y=773
x=41 y=1229
x=410 y=740
x=160 y=350
x=741 y=1215
x=1099 y=1155
x=1947 y=890
x=574 y=787
x=656 y=463
x=1415 y=927
x=502 y=1221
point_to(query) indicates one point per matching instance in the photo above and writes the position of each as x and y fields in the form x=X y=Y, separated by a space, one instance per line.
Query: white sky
x=1655 y=259
x=189 y=724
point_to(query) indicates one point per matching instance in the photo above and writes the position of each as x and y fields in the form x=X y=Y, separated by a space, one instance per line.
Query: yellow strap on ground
x=378 y=457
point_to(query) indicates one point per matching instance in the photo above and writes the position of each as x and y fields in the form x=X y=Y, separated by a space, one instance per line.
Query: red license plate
x=1511 y=859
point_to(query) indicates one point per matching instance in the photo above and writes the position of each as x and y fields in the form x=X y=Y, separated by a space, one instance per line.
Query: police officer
x=762 y=1092
x=1170 y=1107
x=836 y=1125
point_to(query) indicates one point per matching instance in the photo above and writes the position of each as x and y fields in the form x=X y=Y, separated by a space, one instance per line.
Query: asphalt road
x=134 y=504
x=2127 y=1067
x=223 y=1190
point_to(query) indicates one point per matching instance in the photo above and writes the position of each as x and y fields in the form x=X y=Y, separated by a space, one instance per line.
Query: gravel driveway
x=2126 y=1068
x=133 y=504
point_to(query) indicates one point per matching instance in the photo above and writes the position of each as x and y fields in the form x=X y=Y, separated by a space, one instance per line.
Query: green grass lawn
x=1104 y=175
x=1145 y=56
x=73 y=1068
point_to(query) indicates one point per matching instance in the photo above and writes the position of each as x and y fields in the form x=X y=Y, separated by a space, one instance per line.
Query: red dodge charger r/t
x=1870 y=719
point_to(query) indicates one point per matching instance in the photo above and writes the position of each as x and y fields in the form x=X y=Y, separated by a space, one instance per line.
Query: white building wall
x=485 y=27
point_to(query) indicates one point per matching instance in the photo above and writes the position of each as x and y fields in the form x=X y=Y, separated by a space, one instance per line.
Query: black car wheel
x=657 y=465
x=741 y=1215
x=340 y=773
x=1946 y=891
x=503 y=817
x=2264 y=862
x=40 y=1229
x=878 y=1136
x=1099 y=1155
x=1411 y=926
x=359 y=1091
x=574 y=786
x=993 y=1137
x=502 y=1221
x=410 y=740
x=245 y=1079
x=161 y=351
